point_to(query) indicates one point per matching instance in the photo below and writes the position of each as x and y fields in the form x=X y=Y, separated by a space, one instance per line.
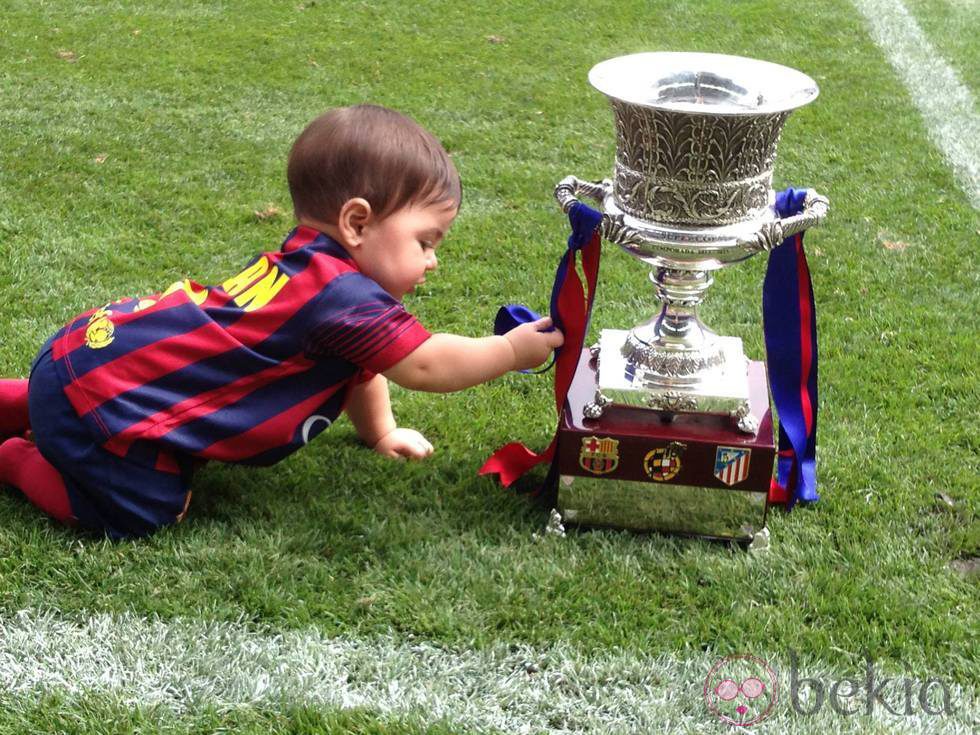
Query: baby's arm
x=444 y=362
x=369 y=409
x=448 y=362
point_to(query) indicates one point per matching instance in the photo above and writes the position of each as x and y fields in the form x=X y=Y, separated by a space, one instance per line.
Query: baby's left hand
x=404 y=444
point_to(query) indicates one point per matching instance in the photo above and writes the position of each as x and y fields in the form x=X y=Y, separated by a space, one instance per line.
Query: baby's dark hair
x=372 y=152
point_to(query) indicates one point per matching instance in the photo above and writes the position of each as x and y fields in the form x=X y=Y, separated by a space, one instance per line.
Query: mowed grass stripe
x=190 y=668
x=946 y=104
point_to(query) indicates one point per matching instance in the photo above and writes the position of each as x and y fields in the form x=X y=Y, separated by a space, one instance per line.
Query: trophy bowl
x=691 y=193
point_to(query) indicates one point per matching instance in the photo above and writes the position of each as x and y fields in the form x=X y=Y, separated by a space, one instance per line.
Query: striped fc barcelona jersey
x=246 y=371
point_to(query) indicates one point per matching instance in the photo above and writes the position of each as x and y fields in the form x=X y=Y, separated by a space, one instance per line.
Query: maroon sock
x=13 y=407
x=22 y=466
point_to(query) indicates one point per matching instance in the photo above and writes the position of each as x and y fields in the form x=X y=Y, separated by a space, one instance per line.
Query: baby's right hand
x=531 y=344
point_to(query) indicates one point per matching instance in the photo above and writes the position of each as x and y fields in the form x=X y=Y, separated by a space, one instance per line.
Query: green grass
x=100 y=716
x=951 y=26
x=142 y=157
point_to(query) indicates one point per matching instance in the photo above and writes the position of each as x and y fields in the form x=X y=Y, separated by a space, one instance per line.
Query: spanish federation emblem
x=663 y=463
x=732 y=464
x=599 y=455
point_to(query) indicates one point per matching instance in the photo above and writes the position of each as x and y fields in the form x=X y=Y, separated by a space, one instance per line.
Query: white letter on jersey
x=309 y=423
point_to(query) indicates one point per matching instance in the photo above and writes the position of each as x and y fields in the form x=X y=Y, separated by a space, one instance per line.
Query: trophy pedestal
x=697 y=475
x=724 y=390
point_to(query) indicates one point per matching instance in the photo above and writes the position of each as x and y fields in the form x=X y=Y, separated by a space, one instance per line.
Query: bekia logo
x=741 y=690
x=905 y=696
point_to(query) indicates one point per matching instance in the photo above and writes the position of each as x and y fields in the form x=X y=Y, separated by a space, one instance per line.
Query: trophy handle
x=815 y=207
x=570 y=188
x=613 y=227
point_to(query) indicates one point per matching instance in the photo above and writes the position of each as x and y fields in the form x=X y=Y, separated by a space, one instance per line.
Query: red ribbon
x=571 y=307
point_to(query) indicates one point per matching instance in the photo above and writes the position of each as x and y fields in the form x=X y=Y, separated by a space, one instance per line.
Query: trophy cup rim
x=703 y=83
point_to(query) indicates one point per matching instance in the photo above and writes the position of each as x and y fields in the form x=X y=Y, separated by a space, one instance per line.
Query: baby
x=127 y=400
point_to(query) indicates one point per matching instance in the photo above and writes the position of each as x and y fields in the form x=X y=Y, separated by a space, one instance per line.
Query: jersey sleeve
x=358 y=321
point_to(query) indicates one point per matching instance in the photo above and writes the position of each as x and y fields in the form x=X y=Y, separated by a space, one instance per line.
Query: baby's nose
x=433 y=261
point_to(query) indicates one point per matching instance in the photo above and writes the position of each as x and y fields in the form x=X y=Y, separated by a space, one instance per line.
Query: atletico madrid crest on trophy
x=732 y=464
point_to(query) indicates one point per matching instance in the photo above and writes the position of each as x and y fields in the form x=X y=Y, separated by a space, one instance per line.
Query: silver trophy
x=691 y=194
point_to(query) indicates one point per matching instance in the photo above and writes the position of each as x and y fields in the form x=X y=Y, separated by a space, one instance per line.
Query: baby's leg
x=22 y=466
x=13 y=408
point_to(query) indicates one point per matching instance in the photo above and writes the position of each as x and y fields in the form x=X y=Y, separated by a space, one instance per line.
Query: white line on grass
x=183 y=667
x=946 y=104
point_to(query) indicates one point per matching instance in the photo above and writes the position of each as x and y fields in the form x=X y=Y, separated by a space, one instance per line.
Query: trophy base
x=724 y=390
x=697 y=475
x=673 y=509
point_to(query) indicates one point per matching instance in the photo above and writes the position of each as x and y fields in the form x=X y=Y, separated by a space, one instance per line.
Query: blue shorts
x=120 y=496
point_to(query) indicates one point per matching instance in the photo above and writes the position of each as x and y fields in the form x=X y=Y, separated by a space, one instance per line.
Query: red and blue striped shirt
x=246 y=371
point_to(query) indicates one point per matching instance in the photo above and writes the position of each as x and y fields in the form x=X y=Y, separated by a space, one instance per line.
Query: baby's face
x=400 y=249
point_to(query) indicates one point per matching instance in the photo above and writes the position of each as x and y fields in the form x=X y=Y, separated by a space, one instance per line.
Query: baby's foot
x=27 y=435
x=14 y=418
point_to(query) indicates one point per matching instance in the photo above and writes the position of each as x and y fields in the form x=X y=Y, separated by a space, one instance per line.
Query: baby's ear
x=353 y=216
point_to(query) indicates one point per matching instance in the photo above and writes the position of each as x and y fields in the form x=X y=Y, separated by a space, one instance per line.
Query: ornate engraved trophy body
x=665 y=420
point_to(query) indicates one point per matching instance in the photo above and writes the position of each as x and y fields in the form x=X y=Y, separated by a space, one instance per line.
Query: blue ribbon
x=584 y=220
x=513 y=315
x=789 y=326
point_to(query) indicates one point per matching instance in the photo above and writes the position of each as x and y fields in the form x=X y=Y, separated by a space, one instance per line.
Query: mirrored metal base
x=698 y=511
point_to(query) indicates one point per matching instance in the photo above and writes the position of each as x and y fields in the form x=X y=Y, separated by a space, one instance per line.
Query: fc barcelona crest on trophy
x=677 y=408
x=599 y=455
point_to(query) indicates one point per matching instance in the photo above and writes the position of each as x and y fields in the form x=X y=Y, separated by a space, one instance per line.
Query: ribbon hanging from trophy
x=513 y=315
x=571 y=307
x=790 y=330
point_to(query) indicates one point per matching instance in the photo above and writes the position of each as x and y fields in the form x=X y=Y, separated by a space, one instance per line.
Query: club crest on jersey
x=100 y=330
x=663 y=463
x=599 y=455
x=732 y=464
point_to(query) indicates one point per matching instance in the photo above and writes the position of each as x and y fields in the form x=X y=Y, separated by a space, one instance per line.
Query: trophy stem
x=675 y=349
x=681 y=293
